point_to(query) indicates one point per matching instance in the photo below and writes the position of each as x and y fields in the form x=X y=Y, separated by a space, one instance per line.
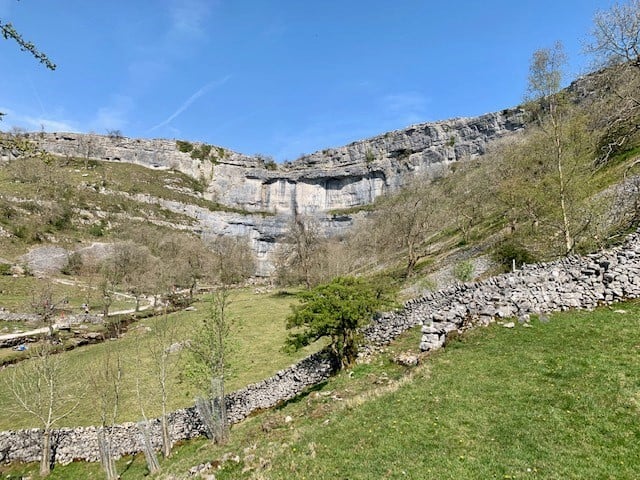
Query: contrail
x=190 y=101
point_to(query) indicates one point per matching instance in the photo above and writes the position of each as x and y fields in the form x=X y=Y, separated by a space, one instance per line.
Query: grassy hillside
x=556 y=400
x=258 y=336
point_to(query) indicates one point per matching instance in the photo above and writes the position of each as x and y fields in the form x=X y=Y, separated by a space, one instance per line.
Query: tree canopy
x=336 y=310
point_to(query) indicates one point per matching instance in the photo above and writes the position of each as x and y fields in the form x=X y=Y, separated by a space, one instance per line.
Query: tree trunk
x=166 y=439
x=566 y=227
x=45 y=459
x=106 y=457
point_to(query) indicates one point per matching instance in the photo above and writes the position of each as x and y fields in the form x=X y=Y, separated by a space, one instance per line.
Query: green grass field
x=559 y=400
x=259 y=334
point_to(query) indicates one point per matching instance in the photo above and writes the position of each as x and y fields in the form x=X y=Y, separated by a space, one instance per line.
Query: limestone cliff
x=336 y=178
x=332 y=179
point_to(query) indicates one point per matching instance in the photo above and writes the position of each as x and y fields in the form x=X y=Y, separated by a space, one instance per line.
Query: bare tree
x=615 y=43
x=409 y=221
x=40 y=389
x=302 y=252
x=208 y=365
x=105 y=381
x=47 y=307
x=164 y=361
x=616 y=34
x=550 y=107
x=233 y=260
x=129 y=268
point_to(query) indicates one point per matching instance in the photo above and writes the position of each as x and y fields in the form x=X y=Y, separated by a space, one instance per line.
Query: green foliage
x=212 y=344
x=74 y=264
x=369 y=156
x=336 y=310
x=463 y=271
x=508 y=251
x=5 y=269
x=98 y=229
x=183 y=146
x=267 y=161
x=202 y=152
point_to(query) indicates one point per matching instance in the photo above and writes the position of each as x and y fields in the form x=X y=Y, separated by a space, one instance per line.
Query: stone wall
x=81 y=443
x=573 y=282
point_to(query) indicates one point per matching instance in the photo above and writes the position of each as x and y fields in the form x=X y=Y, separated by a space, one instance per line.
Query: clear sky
x=276 y=77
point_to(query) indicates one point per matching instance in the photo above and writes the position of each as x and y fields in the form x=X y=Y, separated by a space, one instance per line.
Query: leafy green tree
x=336 y=310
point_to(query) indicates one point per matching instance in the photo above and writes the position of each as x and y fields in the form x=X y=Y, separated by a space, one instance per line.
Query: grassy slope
x=555 y=401
x=559 y=400
x=259 y=330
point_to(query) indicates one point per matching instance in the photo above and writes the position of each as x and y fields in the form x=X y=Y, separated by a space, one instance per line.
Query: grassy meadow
x=557 y=400
x=258 y=336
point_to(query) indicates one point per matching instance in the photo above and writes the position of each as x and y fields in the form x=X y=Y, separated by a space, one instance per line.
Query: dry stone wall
x=573 y=282
x=570 y=283
x=81 y=443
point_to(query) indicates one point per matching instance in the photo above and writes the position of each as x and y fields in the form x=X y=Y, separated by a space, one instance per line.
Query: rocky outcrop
x=336 y=178
x=317 y=184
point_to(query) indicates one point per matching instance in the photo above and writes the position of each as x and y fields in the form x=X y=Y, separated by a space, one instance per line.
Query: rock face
x=317 y=184
x=337 y=178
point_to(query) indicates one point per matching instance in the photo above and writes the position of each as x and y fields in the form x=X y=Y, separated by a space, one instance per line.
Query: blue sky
x=276 y=77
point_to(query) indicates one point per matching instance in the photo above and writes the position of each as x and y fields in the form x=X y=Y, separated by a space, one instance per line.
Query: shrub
x=267 y=161
x=97 y=229
x=463 y=271
x=74 y=264
x=509 y=252
x=369 y=156
x=5 y=269
x=114 y=134
x=184 y=147
x=202 y=152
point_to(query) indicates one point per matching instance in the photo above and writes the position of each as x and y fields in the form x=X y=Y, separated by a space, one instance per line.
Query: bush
x=184 y=147
x=369 y=156
x=74 y=264
x=202 y=152
x=267 y=161
x=114 y=134
x=463 y=271
x=510 y=251
x=98 y=229
x=5 y=269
